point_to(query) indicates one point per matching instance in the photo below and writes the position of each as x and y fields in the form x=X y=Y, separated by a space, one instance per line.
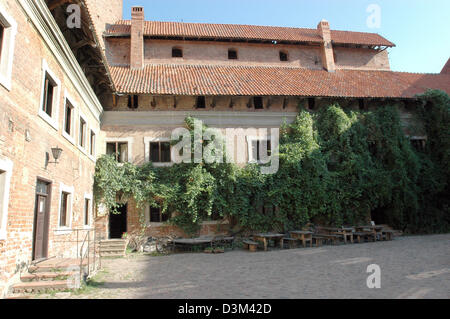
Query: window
x=68 y=118
x=87 y=211
x=49 y=90
x=258 y=102
x=133 y=101
x=201 y=102
x=232 y=54
x=177 y=53
x=156 y=216
x=5 y=178
x=92 y=144
x=361 y=104
x=119 y=150
x=256 y=147
x=8 y=30
x=418 y=143
x=160 y=152
x=283 y=56
x=82 y=138
x=64 y=210
x=311 y=103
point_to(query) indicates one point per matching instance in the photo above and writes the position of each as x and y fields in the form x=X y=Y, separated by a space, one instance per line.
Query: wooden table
x=269 y=236
x=303 y=236
x=341 y=231
x=376 y=230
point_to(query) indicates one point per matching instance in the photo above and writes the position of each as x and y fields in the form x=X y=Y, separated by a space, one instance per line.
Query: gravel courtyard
x=411 y=267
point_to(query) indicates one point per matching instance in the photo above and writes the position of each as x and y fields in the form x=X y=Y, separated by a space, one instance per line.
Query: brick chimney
x=327 y=47
x=137 y=38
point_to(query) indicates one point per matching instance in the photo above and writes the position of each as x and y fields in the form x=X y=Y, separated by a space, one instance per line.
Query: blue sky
x=419 y=28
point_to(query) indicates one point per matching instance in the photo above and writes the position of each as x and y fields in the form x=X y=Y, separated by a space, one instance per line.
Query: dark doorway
x=118 y=223
x=41 y=220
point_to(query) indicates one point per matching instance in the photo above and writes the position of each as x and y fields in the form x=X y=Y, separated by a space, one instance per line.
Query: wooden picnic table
x=376 y=230
x=303 y=236
x=345 y=232
x=269 y=236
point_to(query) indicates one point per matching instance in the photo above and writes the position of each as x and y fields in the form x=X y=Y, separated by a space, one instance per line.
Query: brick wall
x=25 y=138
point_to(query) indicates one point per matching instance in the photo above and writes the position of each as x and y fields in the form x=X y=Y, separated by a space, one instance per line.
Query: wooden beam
x=57 y=3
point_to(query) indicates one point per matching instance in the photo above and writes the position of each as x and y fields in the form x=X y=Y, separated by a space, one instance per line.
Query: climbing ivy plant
x=336 y=167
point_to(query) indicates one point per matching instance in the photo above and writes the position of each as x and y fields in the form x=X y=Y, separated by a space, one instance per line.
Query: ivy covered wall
x=337 y=167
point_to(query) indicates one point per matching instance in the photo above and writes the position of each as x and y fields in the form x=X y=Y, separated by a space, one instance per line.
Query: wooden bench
x=319 y=240
x=387 y=234
x=335 y=239
x=251 y=245
x=360 y=236
x=292 y=242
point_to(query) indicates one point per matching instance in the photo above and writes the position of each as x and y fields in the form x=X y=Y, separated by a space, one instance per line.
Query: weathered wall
x=250 y=54
x=25 y=138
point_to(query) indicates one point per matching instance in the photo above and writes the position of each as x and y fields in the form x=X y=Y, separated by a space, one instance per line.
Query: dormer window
x=177 y=53
x=283 y=56
x=232 y=54
x=133 y=101
x=201 y=102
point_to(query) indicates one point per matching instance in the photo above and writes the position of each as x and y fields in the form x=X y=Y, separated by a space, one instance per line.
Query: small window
x=156 y=215
x=8 y=30
x=418 y=143
x=160 y=152
x=133 y=101
x=92 y=144
x=311 y=103
x=2 y=31
x=258 y=102
x=119 y=150
x=64 y=211
x=257 y=147
x=177 y=53
x=2 y=195
x=283 y=56
x=87 y=210
x=82 y=138
x=362 y=104
x=201 y=102
x=49 y=91
x=232 y=54
x=68 y=118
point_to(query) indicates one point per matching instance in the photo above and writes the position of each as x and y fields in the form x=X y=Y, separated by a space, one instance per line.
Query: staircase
x=113 y=247
x=56 y=274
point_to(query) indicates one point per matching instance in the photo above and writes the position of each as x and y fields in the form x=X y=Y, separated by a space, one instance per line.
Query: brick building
x=120 y=87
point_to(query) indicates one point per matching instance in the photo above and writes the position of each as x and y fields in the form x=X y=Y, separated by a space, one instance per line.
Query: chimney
x=137 y=38
x=327 y=47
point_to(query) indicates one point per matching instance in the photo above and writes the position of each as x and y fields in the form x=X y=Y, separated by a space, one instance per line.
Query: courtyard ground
x=411 y=267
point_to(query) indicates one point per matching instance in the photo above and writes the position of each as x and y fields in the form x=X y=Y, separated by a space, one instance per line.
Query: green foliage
x=336 y=167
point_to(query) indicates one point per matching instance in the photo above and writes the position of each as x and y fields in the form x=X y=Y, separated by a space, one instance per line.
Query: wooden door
x=40 y=246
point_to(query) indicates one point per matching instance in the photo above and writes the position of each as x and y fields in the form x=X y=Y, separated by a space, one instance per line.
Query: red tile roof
x=446 y=68
x=245 y=32
x=276 y=81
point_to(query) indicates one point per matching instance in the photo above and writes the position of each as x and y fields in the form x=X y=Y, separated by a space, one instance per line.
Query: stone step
x=41 y=286
x=47 y=276
x=113 y=241
x=103 y=246
x=112 y=254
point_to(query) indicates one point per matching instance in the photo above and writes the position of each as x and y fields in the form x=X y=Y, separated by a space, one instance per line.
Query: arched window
x=232 y=54
x=283 y=56
x=177 y=53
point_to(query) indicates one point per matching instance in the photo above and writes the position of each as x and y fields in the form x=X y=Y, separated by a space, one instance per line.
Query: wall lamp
x=56 y=152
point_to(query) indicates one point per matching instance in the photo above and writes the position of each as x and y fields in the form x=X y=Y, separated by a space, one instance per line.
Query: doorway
x=41 y=220
x=118 y=222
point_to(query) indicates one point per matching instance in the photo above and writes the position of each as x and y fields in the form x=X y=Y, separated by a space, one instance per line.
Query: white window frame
x=147 y=218
x=129 y=140
x=51 y=120
x=94 y=155
x=147 y=141
x=63 y=230
x=6 y=165
x=70 y=137
x=85 y=148
x=250 y=140
x=91 y=205
x=7 y=54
